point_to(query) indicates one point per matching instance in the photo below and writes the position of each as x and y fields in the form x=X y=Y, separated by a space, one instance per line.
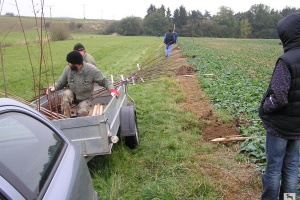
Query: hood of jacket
x=288 y=30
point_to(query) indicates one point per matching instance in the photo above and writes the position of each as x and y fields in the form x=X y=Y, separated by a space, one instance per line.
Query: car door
x=30 y=152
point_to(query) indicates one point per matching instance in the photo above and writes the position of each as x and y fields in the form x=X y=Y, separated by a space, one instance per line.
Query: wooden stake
x=91 y=111
x=229 y=139
x=101 y=110
x=94 y=110
x=98 y=109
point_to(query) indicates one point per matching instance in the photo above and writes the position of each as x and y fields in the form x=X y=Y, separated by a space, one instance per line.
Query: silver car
x=36 y=160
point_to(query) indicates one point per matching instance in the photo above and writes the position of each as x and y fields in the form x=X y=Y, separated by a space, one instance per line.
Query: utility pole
x=83 y=5
x=50 y=11
x=1 y=7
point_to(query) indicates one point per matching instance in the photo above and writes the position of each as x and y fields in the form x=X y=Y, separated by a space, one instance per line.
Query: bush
x=73 y=26
x=79 y=26
x=131 y=26
x=59 y=31
x=47 y=25
x=10 y=14
x=112 y=28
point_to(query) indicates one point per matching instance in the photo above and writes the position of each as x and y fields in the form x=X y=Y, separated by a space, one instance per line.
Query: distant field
x=14 y=24
x=11 y=28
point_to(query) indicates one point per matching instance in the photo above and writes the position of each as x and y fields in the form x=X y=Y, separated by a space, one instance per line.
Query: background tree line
x=258 y=22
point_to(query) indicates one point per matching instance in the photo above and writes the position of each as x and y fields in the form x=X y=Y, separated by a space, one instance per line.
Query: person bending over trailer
x=78 y=79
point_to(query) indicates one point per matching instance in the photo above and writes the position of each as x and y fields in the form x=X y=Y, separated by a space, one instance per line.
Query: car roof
x=8 y=102
x=4 y=102
x=11 y=102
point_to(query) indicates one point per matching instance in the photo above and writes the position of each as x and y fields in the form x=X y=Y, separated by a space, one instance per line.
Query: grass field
x=166 y=165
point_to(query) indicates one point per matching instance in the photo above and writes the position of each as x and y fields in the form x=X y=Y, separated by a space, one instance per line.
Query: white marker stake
x=112 y=78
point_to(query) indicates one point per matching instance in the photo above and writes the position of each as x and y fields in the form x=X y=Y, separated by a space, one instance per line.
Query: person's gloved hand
x=114 y=92
x=50 y=89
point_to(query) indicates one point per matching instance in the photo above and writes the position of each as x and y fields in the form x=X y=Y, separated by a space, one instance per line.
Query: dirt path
x=234 y=179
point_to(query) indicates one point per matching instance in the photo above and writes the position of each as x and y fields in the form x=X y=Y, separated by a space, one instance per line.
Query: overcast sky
x=118 y=9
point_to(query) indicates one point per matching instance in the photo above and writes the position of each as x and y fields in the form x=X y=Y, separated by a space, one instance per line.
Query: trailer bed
x=95 y=135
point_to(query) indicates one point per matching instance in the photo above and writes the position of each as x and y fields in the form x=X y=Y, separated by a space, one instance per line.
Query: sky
x=118 y=9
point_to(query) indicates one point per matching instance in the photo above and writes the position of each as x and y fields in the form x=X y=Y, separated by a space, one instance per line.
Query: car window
x=2 y=197
x=28 y=151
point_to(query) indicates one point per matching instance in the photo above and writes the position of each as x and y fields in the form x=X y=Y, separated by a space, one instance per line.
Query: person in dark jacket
x=175 y=35
x=280 y=113
x=169 y=40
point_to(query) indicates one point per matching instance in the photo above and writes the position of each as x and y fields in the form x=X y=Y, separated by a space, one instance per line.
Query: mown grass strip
x=161 y=167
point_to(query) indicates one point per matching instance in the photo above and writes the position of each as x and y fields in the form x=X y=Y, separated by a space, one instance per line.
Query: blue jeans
x=281 y=174
x=168 y=50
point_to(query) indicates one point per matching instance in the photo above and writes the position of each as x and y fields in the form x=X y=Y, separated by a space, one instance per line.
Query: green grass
x=11 y=30
x=17 y=38
x=162 y=166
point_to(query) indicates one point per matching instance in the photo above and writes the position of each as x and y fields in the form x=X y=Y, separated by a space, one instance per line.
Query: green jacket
x=81 y=83
x=89 y=59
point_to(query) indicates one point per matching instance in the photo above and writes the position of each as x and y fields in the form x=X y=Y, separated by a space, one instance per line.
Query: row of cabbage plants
x=235 y=74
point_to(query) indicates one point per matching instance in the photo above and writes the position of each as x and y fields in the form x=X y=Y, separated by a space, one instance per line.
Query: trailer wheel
x=132 y=141
x=129 y=128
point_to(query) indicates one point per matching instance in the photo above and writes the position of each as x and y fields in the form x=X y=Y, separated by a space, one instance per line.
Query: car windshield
x=28 y=151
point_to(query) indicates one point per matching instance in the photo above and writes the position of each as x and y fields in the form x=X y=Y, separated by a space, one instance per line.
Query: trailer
x=96 y=134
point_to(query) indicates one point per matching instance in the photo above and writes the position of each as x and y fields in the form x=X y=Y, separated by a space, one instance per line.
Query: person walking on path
x=168 y=41
x=280 y=113
x=78 y=79
x=175 y=35
x=88 y=58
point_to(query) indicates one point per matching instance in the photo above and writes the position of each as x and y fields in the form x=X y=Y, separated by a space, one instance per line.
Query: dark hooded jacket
x=169 y=38
x=286 y=121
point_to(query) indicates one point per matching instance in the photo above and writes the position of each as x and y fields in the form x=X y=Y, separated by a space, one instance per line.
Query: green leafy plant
x=235 y=74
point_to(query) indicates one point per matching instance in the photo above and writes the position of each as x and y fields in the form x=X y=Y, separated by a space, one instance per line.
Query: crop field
x=169 y=163
x=235 y=73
